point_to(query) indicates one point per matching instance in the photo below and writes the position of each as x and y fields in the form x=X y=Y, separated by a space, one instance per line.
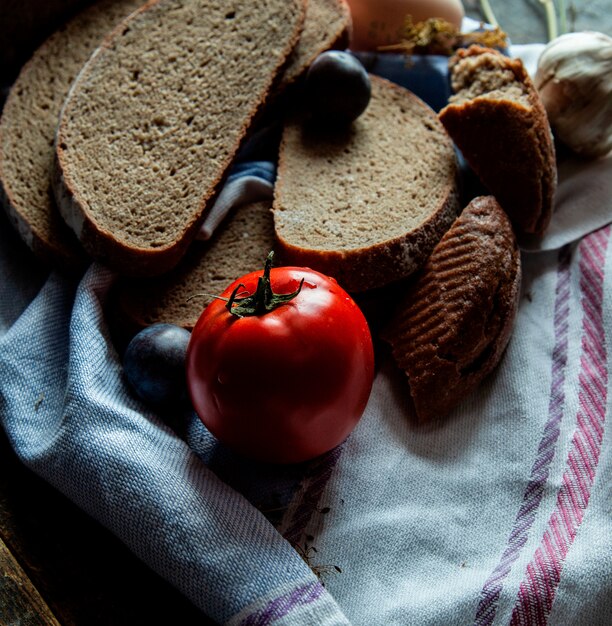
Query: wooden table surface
x=57 y=565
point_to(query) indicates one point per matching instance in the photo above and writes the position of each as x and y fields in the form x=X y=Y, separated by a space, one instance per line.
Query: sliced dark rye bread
x=368 y=203
x=240 y=245
x=27 y=129
x=155 y=117
x=455 y=320
x=327 y=26
x=497 y=120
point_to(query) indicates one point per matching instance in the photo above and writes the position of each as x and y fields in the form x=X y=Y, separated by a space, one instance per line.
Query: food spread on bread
x=368 y=191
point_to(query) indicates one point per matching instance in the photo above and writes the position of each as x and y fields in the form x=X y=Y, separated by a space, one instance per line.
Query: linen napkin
x=500 y=514
x=70 y=417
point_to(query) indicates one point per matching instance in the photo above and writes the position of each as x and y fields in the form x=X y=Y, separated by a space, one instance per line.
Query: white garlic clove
x=574 y=79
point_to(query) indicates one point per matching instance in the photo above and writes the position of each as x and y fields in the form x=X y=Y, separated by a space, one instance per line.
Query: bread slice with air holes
x=366 y=203
x=238 y=246
x=327 y=27
x=27 y=129
x=155 y=118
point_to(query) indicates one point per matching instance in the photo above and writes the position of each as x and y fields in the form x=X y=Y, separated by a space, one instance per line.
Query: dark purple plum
x=337 y=88
x=154 y=365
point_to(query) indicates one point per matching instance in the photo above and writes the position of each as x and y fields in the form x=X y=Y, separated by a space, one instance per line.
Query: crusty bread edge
x=340 y=41
x=370 y=267
x=496 y=346
x=101 y=243
x=66 y=260
x=376 y=266
x=545 y=147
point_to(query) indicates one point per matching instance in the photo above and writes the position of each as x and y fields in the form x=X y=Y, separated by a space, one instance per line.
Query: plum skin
x=337 y=88
x=154 y=364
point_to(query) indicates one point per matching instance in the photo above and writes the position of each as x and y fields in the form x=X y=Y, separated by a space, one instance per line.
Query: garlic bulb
x=574 y=79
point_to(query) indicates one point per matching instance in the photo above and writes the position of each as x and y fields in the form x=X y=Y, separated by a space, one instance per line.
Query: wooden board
x=20 y=602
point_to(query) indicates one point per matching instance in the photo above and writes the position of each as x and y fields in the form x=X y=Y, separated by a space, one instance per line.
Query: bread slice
x=497 y=120
x=28 y=126
x=151 y=125
x=455 y=320
x=240 y=245
x=327 y=27
x=368 y=203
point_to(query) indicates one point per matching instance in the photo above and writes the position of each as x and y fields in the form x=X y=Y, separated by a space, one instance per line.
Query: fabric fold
x=72 y=420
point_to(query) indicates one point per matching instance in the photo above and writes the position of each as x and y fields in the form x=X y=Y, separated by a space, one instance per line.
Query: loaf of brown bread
x=27 y=128
x=497 y=120
x=366 y=204
x=155 y=118
x=455 y=320
x=240 y=245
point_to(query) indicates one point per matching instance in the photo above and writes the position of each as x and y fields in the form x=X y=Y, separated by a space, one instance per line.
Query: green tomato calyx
x=263 y=300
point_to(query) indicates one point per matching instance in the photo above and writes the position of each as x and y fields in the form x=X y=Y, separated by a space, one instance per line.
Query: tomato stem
x=263 y=300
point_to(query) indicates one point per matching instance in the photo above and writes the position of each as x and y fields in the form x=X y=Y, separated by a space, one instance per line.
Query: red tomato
x=284 y=385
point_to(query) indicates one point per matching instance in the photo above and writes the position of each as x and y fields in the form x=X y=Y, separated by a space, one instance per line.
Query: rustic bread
x=327 y=26
x=366 y=204
x=240 y=245
x=455 y=320
x=497 y=120
x=28 y=126
x=155 y=117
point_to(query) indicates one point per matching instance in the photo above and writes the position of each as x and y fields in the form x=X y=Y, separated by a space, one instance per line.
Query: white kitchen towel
x=501 y=514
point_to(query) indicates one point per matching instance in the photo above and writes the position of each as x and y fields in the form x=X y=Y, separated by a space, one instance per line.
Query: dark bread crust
x=305 y=52
x=102 y=243
x=454 y=322
x=366 y=267
x=28 y=125
x=509 y=145
x=62 y=251
x=378 y=265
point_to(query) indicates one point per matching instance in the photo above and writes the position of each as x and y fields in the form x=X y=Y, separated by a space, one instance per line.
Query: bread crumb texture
x=383 y=187
x=327 y=25
x=486 y=75
x=157 y=115
x=240 y=245
x=455 y=320
x=28 y=124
